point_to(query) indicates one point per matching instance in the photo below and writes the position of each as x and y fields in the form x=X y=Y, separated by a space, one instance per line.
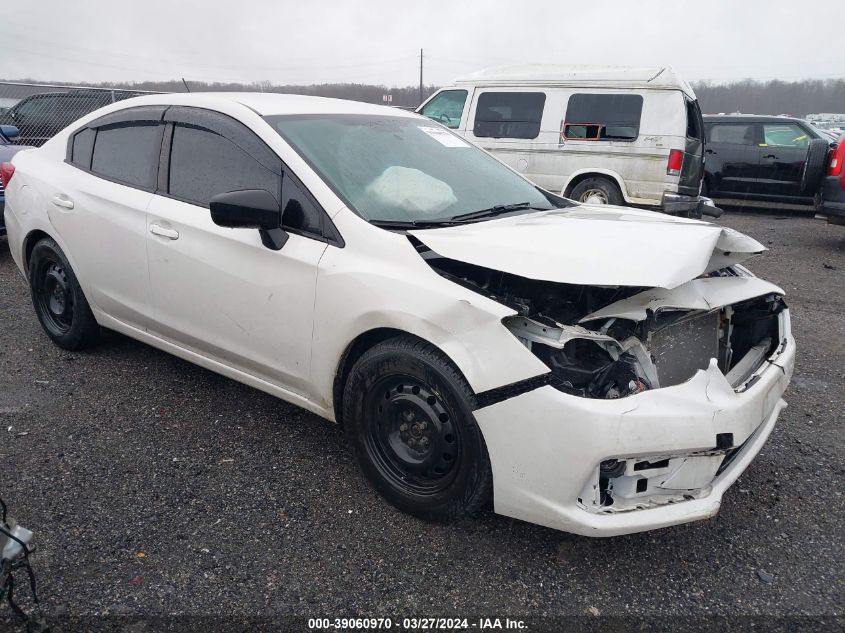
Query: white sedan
x=600 y=370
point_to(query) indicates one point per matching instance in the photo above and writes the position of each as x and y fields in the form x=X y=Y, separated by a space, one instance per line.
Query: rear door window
x=128 y=153
x=204 y=164
x=446 y=108
x=509 y=114
x=731 y=133
x=602 y=117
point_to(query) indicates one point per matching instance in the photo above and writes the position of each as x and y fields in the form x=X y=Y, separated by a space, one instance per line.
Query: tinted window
x=733 y=133
x=693 y=120
x=785 y=135
x=83 y=148
x=509 y=114
x=203 y=164
x=298 y=213
x=128 y=152
x=602 y=117
x=446 y=108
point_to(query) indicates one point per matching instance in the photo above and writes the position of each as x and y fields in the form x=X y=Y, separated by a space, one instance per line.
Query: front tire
x=408 y=417
x=59 y=303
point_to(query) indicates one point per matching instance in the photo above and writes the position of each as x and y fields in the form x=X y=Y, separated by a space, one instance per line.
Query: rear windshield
x=403 y=168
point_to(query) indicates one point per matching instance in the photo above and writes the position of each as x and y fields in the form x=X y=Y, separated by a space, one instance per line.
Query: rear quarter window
x=128 y=153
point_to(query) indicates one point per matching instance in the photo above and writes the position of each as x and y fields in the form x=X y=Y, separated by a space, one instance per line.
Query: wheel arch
x=32 y=238
x=359 y=346
x=583 y=174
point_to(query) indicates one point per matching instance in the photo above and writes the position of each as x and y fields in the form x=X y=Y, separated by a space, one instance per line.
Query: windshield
x=403 y=169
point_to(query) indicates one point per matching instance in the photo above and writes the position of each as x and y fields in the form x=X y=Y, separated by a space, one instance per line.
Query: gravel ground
x=156 y=487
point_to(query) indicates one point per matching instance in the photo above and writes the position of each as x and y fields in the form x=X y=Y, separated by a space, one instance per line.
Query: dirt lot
x=156 y=487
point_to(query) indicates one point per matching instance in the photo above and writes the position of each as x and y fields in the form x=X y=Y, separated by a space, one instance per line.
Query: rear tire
x=597 y=191
x=408 y=417
x=59 y=303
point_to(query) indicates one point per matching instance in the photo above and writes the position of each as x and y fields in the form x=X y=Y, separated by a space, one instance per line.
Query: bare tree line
x=797 y=98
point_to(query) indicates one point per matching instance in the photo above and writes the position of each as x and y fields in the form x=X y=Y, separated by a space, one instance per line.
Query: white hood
x=594 y=245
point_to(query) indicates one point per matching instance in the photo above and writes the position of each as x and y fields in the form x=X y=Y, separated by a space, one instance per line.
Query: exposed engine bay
x=616 y=357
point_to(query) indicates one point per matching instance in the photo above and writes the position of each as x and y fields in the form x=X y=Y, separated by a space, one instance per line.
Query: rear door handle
x=157 y=229
x=61 y=200
x=770 y=156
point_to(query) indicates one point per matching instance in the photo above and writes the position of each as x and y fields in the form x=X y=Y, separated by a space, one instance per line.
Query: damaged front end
x=609 y=343
x=612 y=342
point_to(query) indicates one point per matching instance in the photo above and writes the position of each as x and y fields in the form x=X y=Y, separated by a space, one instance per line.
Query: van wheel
x=597 y=191
x=407 y=413
x=57 y=297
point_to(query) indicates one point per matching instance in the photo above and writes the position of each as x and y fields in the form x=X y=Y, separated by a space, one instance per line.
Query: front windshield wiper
x=499 y=209
x=412 y=224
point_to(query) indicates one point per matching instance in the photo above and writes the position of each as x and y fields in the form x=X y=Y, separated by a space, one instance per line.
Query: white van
x=611 y=135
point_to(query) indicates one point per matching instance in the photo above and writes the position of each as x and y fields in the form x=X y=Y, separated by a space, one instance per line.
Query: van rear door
x=693 y=166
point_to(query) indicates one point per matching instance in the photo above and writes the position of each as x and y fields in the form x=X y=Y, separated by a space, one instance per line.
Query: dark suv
x=39 y=117
x=759 y=157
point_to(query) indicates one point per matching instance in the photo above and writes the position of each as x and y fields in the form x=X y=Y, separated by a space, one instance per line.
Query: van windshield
x=405 y=169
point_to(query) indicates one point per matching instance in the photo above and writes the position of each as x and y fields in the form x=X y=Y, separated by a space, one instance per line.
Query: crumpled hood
x=595 y=245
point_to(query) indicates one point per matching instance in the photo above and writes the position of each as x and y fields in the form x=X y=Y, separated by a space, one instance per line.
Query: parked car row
x=631 y=136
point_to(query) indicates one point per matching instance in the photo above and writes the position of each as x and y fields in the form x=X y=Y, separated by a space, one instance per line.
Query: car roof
x=268 y=103
x=659 y=77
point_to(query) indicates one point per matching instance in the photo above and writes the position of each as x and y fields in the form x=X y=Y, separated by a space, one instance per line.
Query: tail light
x=676 y=161
x=6 y=172
x=836 y=160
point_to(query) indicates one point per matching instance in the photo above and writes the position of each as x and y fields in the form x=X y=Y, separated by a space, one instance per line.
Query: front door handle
x=157 y=229
x=61 y=200
x=770 y=156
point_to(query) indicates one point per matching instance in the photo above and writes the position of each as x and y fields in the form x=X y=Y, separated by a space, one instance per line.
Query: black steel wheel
x=58 y=299
x=408 y=417
x=411 y=439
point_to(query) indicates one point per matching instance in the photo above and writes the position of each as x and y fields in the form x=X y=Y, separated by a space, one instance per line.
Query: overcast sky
x=378 y=41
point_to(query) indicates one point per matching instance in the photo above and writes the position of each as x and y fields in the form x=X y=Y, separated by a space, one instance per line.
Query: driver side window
x=446 y=108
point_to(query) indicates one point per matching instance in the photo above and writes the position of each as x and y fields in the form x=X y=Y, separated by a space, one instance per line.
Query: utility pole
x=421 y=76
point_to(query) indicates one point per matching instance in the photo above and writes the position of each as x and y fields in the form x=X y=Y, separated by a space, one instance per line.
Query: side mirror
x=251 y=209
x=9 y=131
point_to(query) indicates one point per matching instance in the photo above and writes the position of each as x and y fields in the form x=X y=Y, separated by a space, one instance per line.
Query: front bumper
x=546 y=446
